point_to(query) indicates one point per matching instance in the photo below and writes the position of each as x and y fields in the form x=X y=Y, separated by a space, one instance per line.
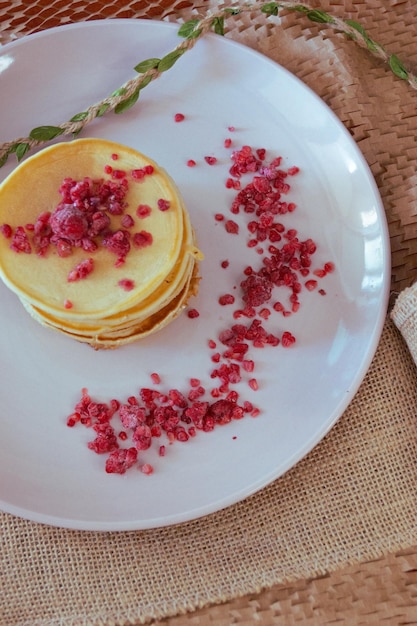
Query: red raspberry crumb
x=127 y=221
x=114 y=156
x=119 y=461
x=219 y=217
x=147 y=469
x=163 y=205
x=191 y=163
x=142 y=239
x=287 y=339
x=81 y=271
x=224 y=264
x=211 y=160
x=310 y=285
x=6 y=230
x=143 y=210
x=193 y=313
x=227 y=298
x=156 y=379
x=68 y=304
x=179 y=117
x=127 y=284
x=227 y=142
x=231 y=227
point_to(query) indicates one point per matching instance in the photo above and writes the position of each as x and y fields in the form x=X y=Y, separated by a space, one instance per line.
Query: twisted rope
x=195 y=31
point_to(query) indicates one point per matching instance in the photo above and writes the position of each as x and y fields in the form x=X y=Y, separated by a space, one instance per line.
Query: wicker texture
x=352 y=499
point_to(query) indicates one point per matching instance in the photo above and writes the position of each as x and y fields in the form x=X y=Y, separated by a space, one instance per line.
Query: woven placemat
x=353 y=498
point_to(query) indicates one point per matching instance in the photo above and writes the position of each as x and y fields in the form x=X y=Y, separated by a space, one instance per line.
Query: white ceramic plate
x=47 y=474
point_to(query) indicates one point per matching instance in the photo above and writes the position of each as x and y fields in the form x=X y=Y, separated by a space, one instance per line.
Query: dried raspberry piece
x=163 y=205
x=6 y=230
x=222 y=411
x=256 y=290
x=81 y=271
x=142 y=239
x=143 y=210
x=106 y=440
x=127 y=284
x=118 y=243
x=119 y=461
x=20 y=241
x=231 y=227
x=69 y=222
x=142 y=437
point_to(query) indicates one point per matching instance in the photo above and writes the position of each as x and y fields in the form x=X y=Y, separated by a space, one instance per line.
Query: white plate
x=47 y=474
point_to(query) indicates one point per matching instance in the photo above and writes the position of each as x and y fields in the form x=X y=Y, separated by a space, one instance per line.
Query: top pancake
x=33 y=188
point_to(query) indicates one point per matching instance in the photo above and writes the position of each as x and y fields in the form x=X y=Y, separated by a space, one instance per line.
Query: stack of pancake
x=122 y=299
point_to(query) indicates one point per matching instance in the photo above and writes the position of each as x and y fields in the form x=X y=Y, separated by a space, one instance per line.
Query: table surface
x=380 y=590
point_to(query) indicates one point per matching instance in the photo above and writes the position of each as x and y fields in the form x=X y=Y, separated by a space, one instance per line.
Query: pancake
x=97 y=242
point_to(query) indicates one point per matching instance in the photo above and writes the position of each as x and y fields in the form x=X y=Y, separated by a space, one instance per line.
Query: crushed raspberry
x=227 y=298
x=81 y=270
x=227 y=142
x=231 y=227
x=127 y=284
x=163 y=205
x=20 y=241
x=68 y=304
x=127 y=221
x=283 y=263
x=119 y=461
x=142 y=239
x=6 y=230
x=118 y=243
x=143 y=210
x=179 y=117
x=191 y=163
x=211 y=160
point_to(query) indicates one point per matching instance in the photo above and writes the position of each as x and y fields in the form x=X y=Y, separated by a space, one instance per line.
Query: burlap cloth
x=353 y=498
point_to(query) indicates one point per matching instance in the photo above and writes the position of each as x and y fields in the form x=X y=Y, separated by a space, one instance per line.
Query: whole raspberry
x=68 y=222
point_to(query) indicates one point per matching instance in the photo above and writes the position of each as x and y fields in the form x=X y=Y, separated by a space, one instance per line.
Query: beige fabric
x=353 y=498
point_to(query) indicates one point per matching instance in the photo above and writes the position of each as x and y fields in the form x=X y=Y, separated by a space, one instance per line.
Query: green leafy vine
x=191 y=31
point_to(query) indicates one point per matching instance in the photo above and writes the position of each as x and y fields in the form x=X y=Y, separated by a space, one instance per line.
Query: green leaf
x=102 y=110
x=145 y=82
x=321 y=17
x=187 y=28
x=397 y=67
x=270 y=8
x=21 y=150
x=124 y=105
x=144 y=66
x=370 y=43
x=218 y=25
x=79 y=117
x=45 y=133
x=232 y=11
x=168 y=61
x=119 y=92
x=3 y=159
